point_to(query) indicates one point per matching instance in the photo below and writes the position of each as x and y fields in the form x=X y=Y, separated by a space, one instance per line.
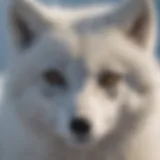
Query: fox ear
x=139 y=23
x=27 y=20
x=134 y=18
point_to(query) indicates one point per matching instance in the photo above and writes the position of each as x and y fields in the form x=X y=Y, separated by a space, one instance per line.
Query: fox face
x=78 y=74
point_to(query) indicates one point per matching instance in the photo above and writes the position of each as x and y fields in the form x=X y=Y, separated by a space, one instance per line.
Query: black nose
x=80 y=126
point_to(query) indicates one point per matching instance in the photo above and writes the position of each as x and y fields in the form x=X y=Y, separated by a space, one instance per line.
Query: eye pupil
x=109 y=79
x=54 y=77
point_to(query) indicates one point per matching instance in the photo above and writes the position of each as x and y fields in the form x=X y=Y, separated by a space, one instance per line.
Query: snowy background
x=4 y=47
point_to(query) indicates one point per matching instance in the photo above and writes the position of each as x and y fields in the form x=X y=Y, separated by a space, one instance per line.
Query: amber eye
x=54 y=77
x=109 y=79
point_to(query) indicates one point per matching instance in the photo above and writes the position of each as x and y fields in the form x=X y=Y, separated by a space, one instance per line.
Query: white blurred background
x=4 y=47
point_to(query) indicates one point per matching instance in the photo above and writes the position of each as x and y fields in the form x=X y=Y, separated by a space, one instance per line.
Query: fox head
x=80 y=73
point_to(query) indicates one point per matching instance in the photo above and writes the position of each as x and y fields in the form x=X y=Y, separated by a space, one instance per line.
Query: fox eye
x=109 y=79
x=54 y=77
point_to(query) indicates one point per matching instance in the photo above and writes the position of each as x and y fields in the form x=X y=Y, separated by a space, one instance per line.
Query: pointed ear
x=27 y=19
x=137 y=20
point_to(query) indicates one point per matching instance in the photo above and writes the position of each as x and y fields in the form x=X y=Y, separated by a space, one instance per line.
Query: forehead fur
x=97 y=51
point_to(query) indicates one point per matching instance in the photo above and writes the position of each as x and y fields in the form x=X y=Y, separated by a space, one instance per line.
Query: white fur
x=81 y=43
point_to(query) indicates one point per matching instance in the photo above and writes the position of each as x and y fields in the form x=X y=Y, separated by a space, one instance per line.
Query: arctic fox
x=82 y=84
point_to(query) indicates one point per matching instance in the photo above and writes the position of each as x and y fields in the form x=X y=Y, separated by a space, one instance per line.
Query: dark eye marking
x=54 y=77
x=109 y=79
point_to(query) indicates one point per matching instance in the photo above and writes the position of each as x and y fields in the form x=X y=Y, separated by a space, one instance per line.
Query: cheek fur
x=102 y=112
